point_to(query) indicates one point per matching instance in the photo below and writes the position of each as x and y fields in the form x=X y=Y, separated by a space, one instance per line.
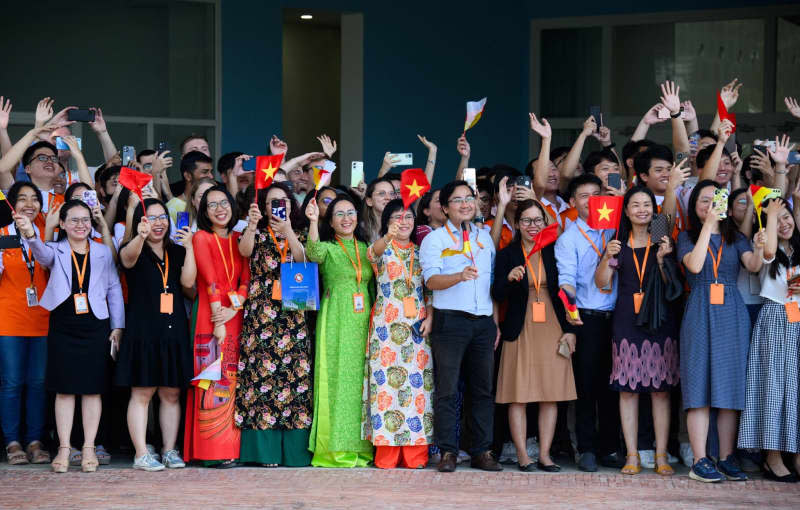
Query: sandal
x=664 y=469
x=631 y=469
x=75 y=457
x=16 y=455
x=89 y=465
x=37 y=454
x=60 y=466
x=103 y=457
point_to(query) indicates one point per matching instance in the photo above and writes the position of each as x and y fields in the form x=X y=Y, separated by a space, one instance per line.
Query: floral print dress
x=398 y=384
x=273 y=390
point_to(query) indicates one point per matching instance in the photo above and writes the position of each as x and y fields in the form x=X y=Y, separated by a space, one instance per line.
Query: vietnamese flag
x=413 y=184
x=569 y=303
x=723 y=112
x=545 y=237
x=604 y=212
x=134 y=181
x=474 y=113
x=266 y=168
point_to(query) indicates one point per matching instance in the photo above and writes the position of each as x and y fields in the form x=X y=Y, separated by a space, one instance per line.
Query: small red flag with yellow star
x=413 y=184
x=604 y=212
x=266 y=168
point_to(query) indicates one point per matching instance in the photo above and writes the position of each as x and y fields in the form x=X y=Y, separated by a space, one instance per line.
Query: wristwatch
x=676 y=115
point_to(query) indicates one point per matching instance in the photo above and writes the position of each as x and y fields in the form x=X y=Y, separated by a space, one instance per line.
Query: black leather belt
x=463 y=315
x=603 y=314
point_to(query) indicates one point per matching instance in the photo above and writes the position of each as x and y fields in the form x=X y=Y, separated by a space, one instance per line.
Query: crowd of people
x=448 y=330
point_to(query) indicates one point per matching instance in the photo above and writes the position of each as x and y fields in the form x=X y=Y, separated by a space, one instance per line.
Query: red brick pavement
x=119 y=487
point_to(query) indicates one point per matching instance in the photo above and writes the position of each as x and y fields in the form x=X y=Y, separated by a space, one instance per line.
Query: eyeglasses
x=461 y=201
x=147 y=166
x=161 y=217
x=527 y=222
x=212 y=206
x=45 y=159
x=327 y=200
x=345 y=214
x=79 y=221
x=384 y=194
x=402 y=217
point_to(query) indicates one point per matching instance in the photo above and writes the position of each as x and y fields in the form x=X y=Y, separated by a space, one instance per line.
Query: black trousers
x=456 y=341
x=597 y=424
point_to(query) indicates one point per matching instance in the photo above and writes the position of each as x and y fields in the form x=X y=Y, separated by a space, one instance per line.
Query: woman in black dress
x=155 y=351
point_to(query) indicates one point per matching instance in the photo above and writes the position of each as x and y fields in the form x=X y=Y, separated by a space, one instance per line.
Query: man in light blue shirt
x=459 y=272
x=578 y=251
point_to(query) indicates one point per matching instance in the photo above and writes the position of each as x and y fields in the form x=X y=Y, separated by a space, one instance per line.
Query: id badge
x=166 y=303
x=358 y=302
x=717 y=296
x=276 y=290
x=409 y=307
x=792 y=311
x=81 y=303
x=236 y=301
x=638 y=297
x=538 y=311
x=32 y=297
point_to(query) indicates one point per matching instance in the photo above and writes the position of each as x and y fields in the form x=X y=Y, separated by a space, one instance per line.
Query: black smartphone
x=680 y=157
x=595 y=112
x=614 y=181
x=162 y=146
x=81 y=115
x=659 y=227
x=279 y=208
x=9 y=242
x=524 y=181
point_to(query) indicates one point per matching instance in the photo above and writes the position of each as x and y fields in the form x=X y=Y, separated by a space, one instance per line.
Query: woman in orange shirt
x=23 y=334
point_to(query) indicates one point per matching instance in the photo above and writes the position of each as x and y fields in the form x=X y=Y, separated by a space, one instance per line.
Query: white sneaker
x=687 y=456
x=647 y=458
x=672 y=459
x=173 y=460
x=152 y=451
x=147 y=463
x=462 y=457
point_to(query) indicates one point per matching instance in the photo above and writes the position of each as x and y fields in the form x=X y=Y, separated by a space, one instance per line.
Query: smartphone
x=62 y=145
x=182 y=220
x=356 y=173
x=469 y=176
x=720 y=202
x=9 y=242
x=90 y=198
x=128 y=154
x=249 y=165
x=279 y=208
x=81 y=115
x=694 y=142
x=162 y=146
x=680 y=157
x=659 y=227
x=794 y=158
x=403 y=159
x=594 y=111
x=524 y=181
x=614 y=180
x=730 y=145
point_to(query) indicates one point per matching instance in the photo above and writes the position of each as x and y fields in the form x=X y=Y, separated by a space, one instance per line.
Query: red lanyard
x=640 y=272
x=715 y=263
x=599 y=253
x=281 y=249
x=358 y=258
x=538 y=281
x=228 y=273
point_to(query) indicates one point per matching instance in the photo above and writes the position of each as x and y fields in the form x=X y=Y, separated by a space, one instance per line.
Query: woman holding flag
x=535 y=363
x=398 y=383
x=273 y=391
x=339 y=245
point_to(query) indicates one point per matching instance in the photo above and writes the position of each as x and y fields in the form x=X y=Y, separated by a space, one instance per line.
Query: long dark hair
x=296 y=216
x=326 y=232
x=521 y=208
x=75 y=185
x=625 y=225
x=62 y=215
x=204 y=222
x=13 y=193
x=781 y=259
x=727 y=227
x=392 y=207
x=140 y=213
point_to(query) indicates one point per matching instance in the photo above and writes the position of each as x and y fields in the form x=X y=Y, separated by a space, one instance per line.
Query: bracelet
x=782 y=173
x=676 y=115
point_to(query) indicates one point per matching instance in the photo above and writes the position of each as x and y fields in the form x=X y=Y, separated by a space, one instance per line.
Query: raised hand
x=427 y=143
x=389 y=161
x=503 y=193
x=651 y=117
x=725 y=130
x=24 y=225
x=99 y=124
x=5 y=112
x=184 y=237
x=670 y=97
x=311 y=156
x=144 y=227
x=614 y=247
x=462 y=146
x=393 y=231
x=44 y=111
x=328 y=145
x=162 y=162
x=52 y=218
x=775 y=207
x=312 y=211
x=689 y=113
x=540 y=128
x=589 y=126
x=72 y=143
x=253 y=216
x=238 y=168
x=782 y=149
x=61 y=116
x=792 y=106
x=277 y=146
x=730 y=93
x=679 y=174
x=603 y=135
x=760 y=161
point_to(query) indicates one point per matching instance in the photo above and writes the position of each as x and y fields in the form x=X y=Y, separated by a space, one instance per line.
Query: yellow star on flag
x=414 y=189
x=270 y=171
x=605 y=212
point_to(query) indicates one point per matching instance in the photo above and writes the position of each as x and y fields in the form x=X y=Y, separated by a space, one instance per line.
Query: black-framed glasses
x=461 y=201
x=212 y=206
x=527 y=222
x=44 y=158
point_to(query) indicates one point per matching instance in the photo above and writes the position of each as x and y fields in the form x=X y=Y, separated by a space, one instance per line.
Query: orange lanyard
x=82 y=271
x=358 y=258
x=410 y=270
x=164 y=272
x=281 y=249
x=599 y=253
x=228 y=273
x=455 y=241
x=715 y=263
x=640 y=272
x=680 y=214
x=538 y=281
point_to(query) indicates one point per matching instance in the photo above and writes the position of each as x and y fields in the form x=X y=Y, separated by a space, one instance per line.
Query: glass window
x=570 y=71
x=788 y=61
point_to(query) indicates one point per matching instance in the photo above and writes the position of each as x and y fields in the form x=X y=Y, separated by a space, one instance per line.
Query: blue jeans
x=23 y=361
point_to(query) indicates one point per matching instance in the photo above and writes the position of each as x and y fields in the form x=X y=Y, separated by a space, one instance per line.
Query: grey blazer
x=105 y=292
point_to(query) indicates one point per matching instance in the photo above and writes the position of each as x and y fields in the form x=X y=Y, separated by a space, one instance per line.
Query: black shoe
x=448 y=462
x=227 y=464
x=587 y=462
x=485 y=461
x=550 y=468
x=527 y=468
x=613 y=460
x=770 y=475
